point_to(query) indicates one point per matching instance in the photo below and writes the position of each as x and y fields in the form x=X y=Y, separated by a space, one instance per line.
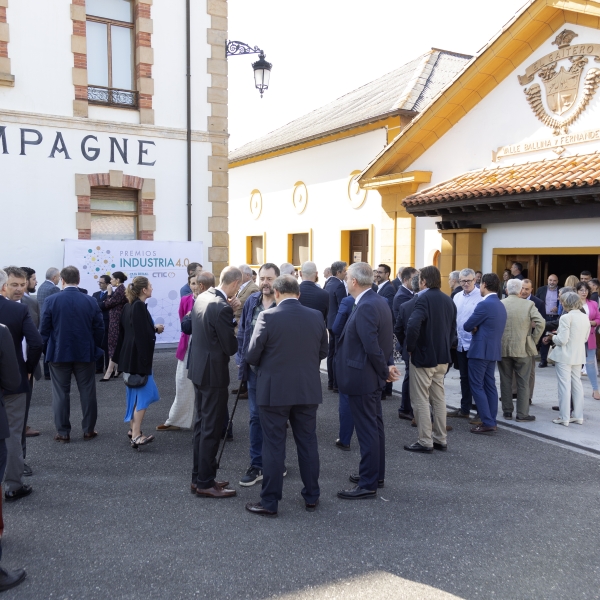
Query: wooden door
x=359 y=246
x=530 y=267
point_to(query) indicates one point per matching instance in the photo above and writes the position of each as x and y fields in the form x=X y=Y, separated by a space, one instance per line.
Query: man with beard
x=253 y=307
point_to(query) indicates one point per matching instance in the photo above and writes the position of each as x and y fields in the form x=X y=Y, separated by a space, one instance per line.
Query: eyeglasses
x=464 y=281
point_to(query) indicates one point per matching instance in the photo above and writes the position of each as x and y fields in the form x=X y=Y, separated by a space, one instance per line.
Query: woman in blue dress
x=135 y=351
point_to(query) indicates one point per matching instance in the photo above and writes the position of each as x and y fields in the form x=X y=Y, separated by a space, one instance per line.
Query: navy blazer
x=489 y=317
x=396 y=283
x=365 y=348
x=337 y=292
x=100 y=298
x=10 y=378
x=402 y=323
x=72 y=327
x=402 y=295
x=312 y=296
x=346 y=306
x=15 y=315
x=431 y=329
x=389 y=293
x=45 y=290
x=541 y=306
x=289 y=340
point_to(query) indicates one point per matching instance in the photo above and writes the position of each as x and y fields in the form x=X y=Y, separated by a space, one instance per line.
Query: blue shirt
x=465 y=305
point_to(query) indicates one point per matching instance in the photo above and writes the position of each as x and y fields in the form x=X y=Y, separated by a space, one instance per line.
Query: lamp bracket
x=237 y=48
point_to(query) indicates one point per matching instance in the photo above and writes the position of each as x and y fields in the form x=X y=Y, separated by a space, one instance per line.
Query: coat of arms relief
x=563 y=92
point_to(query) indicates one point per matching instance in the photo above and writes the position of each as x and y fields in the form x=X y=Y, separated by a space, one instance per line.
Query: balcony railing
x=112 y=97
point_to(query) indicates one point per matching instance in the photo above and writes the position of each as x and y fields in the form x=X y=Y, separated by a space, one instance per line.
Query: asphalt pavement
x=501 y=516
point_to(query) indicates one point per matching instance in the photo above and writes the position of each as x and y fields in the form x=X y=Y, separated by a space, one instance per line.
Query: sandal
x=129 y=433
x=596 y=395
x=141 y=440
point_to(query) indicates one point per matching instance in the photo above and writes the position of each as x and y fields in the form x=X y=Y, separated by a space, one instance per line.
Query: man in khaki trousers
x=518 y=347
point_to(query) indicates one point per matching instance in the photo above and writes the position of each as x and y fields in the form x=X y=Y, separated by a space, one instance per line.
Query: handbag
x=133 y=380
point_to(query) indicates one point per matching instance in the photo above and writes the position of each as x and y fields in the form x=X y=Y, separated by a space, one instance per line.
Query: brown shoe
x=244 y=396
x=167 y=428
x=221 y=484
x=413 y=423
x=90 y=436
x=65 y=439
x=216 y=492
x=31 y=432
x=449 y=428
x=483 y=429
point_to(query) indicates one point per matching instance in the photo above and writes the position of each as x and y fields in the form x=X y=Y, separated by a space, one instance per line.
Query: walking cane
x=229 y=424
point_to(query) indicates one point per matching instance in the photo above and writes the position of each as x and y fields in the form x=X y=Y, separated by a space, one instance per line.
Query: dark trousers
x=211 y=410
x=46 y=367
x=388 y=389
x=102 y=362
x=303 y=421
x=256 y=434
x=3 y=456
x=466 y=397
x=27 y=405
x=368 y=422
x=483 y=386
x=85 y=376
x=346 y=420
x=544 y=349
x=331 y=378
x=405 y=405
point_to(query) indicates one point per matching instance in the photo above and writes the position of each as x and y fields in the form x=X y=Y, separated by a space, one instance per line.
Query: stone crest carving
x=255 y=203
x=300 y=197
x=564 y=97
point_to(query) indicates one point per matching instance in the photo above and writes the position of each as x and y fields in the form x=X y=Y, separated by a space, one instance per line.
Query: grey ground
x=495 y=517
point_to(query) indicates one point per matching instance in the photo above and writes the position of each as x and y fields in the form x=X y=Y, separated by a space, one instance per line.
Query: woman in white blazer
x=568 y=355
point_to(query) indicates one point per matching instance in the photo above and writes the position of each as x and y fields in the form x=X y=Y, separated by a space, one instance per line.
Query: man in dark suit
x=397 y=281
x=47 y=289
x=311 y=295
x=364 y=362
x=404 y=293
x=487 y=327
x=15 y=315
x=516 y=270
x=100 y=296
x=10 y=378
x=386 y=290
x=548 y=294
x=405 y=411
x=213 y=343
x=72 y=329
x=289 y=334
x=430 y=334
x=337 y=292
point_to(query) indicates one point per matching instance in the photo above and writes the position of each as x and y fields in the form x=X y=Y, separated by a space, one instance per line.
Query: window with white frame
x=110 y=53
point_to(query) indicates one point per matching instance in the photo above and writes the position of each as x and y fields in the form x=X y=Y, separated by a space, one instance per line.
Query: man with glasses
x=465 y=302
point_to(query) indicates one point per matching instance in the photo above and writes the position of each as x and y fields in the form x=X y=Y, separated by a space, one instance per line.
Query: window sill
x=6 y=79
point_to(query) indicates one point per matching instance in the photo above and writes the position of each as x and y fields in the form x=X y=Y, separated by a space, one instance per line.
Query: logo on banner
x=98 y=262
x=561 y=72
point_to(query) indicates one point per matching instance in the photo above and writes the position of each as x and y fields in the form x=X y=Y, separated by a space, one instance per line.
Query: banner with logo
x=163 y=263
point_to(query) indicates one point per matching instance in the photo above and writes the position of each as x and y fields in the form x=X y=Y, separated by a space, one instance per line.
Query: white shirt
x=412 y=293
x=465 y=305
x=360 y=296
x=23 y=342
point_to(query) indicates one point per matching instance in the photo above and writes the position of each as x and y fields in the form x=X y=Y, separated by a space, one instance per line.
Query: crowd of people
x=361 y=320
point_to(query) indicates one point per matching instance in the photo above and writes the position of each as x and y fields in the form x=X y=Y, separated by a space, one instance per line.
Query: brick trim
x=144 y=58
x=6 y=76
x=218 y=193
x=115 y=179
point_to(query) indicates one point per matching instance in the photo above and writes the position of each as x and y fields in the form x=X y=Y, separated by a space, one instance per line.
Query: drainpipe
x=189 y=120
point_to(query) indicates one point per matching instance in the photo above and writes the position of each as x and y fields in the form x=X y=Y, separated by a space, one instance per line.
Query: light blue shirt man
x=465 y=305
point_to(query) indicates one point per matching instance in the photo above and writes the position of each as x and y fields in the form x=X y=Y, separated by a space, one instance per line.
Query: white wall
x=326 y=172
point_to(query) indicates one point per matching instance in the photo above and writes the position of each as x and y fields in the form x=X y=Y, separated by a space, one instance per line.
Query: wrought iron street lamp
x=262 y=68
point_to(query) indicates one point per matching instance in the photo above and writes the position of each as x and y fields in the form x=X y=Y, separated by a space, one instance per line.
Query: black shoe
x=252 y=476
x=11 y=579
x=383 y=396
x=527 y=418
x=341 y=446
x=557 y=408
x=404 y=415
x=441 y=447
x=47 y=377
x=357 y=493
x=311 y=507
x=416 y=447
x=355 y=479
x=507 y=416
x=23 y=491
x=329 y=387
x=27 y=470
x=543 y=364
x=258 y=509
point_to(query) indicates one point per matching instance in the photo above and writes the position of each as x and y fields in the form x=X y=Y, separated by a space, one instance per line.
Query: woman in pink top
x=591 y=309
x=182 y=409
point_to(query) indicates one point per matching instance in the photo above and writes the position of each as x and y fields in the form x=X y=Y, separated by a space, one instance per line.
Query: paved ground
x=505 y=516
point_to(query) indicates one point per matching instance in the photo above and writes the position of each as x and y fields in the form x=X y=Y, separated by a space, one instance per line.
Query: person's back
x=312 y=296
x=520 y=313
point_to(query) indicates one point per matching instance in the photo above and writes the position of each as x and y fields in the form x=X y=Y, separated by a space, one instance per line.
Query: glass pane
x=109 y=227
x=120 y=205
x=122 y=58
x=97 y=53
x=257 y=254
x=119 y=10
x=300 y=248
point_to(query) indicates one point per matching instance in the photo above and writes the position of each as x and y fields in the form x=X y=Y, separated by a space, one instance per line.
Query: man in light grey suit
x=48 y=288
x=289 y=338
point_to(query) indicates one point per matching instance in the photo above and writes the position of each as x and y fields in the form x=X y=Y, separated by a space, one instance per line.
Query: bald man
x=311 y=295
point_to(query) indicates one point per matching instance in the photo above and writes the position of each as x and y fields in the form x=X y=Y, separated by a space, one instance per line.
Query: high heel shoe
x=578 y=421
x=117 y=375
x=103 y=380
x=561 y=422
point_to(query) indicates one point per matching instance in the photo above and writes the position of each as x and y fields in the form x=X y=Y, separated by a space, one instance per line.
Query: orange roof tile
x=546 y=175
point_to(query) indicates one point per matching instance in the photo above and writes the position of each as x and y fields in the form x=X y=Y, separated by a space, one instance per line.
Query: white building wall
x=326 y=172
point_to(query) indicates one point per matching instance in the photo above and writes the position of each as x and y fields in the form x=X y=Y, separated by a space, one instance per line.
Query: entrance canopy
x=563 y=188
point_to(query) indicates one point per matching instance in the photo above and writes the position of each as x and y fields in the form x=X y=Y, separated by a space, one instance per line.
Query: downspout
x=189 y=120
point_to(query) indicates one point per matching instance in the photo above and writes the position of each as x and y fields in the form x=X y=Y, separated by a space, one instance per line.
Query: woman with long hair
x=591 y=310
x=115 y=301
x=134 y=354
x=571 y=281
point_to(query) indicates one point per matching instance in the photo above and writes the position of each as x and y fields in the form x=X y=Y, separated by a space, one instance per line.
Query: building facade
x=96 y=137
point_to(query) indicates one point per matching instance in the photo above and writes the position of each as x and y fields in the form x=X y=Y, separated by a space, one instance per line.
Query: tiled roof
x=546 y=175
x=409 y=88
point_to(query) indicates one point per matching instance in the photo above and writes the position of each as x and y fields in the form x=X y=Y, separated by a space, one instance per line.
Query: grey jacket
x=518 y=341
